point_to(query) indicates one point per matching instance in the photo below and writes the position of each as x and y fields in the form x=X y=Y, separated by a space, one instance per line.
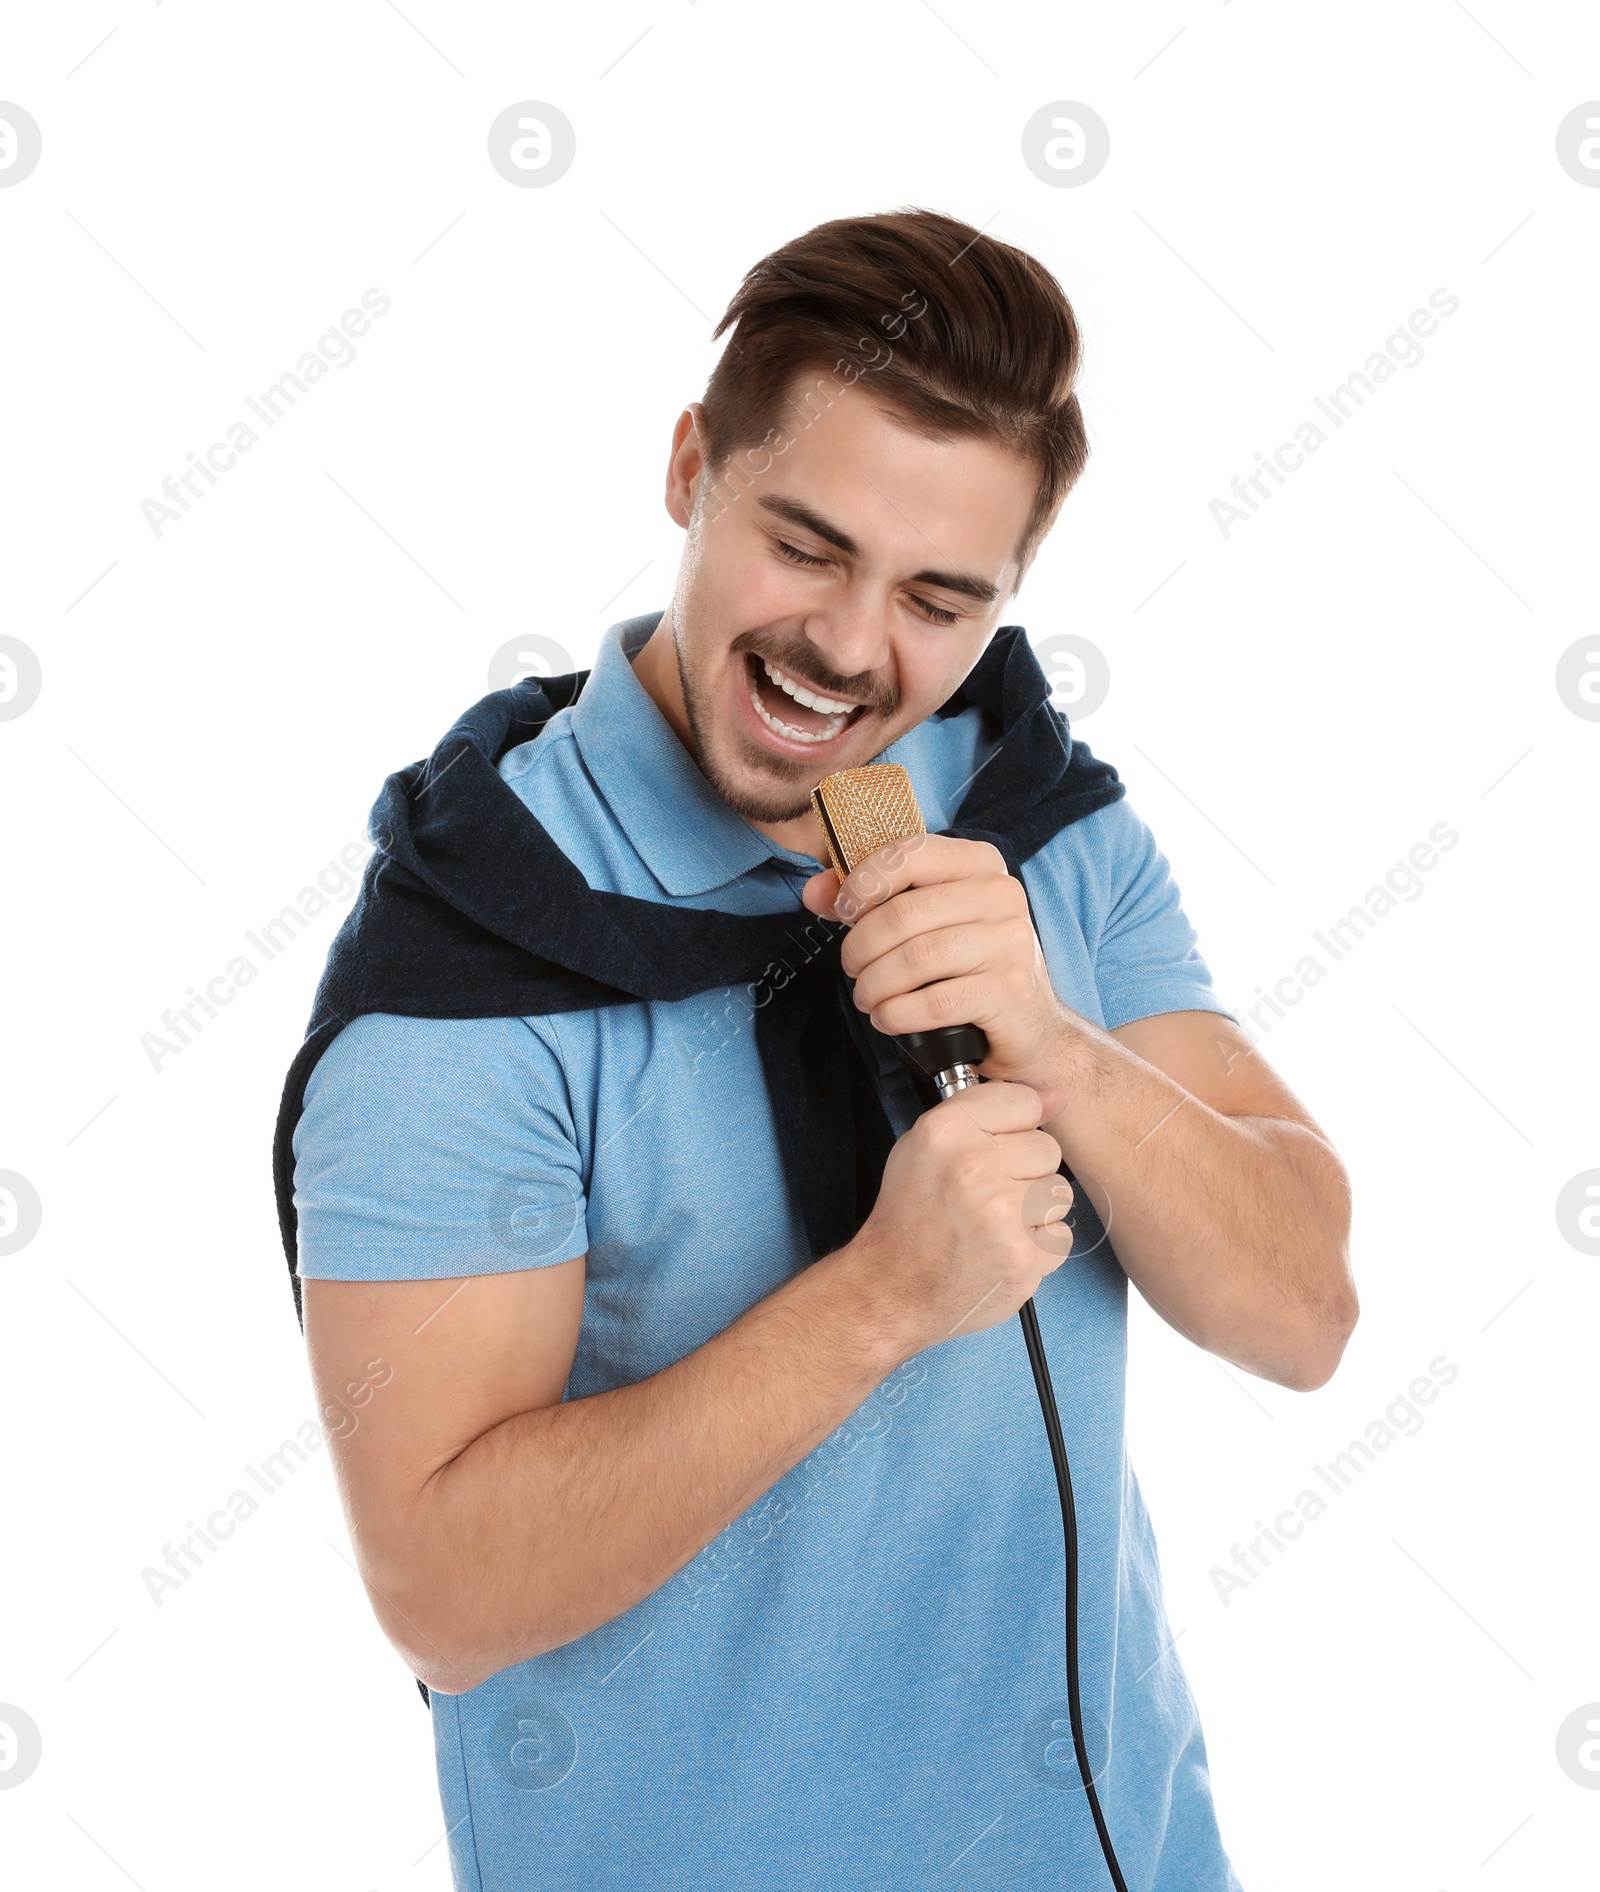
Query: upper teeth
x=823 y=705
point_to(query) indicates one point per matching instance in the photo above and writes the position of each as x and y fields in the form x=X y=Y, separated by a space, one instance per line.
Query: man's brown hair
x=969 y=338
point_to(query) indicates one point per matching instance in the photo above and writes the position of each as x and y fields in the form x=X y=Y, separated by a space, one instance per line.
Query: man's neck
x=803 y=835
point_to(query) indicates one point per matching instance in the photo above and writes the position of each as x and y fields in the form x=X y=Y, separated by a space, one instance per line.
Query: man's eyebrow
x=968 y=584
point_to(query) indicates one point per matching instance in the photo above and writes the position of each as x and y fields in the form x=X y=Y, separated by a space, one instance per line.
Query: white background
x=1293 y=707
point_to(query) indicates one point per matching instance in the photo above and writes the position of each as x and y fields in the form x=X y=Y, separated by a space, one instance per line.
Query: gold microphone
x=862 y=810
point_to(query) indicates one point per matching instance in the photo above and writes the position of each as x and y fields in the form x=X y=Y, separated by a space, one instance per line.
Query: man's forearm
x=1233 y=1228
x=562 y=1518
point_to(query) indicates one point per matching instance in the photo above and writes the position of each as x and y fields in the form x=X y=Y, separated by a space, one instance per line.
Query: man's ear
x=686 y=464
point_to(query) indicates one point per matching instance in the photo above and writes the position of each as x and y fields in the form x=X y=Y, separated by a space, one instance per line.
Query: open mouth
x=792 y=710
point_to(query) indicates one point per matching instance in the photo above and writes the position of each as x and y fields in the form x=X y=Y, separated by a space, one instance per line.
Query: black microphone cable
x=948 y=1057
x=1069 y=1526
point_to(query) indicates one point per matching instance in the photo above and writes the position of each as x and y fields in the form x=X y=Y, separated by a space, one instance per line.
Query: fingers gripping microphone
x=862 y=810
x=865 y=809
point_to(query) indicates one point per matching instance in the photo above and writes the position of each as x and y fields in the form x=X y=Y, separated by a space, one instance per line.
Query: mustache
x=806 y=672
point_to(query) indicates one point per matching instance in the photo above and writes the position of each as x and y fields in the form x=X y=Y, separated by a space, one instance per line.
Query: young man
x=730 y=1564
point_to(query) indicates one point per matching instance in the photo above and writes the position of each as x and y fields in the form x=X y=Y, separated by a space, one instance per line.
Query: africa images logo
x=533 y=1746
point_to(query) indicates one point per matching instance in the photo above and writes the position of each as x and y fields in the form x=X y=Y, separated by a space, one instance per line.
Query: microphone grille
x=864 y=809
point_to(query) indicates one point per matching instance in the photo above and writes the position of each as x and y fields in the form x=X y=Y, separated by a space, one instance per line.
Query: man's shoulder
x=420 y=1063
x=1090 y=866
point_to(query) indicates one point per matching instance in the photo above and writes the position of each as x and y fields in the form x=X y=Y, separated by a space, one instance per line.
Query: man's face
x=866 y=564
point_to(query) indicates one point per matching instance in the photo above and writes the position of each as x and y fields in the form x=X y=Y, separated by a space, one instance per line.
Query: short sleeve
x=1147 y=955
x=433 y=1147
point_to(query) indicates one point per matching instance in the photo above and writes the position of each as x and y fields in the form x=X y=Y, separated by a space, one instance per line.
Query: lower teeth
x=828 y=731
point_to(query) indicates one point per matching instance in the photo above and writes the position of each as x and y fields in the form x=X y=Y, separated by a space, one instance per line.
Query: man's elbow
x=439 y=1648
x=1329 y=1307
x=437 y=1673
x=424 y=1631
x=445 y=1628
x=1324 y=1334
x=445 y=1664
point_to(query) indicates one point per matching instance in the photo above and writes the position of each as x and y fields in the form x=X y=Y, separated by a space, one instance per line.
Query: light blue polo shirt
x=860 y=1683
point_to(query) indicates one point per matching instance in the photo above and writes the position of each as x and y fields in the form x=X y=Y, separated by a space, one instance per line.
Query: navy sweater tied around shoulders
x=469 y=909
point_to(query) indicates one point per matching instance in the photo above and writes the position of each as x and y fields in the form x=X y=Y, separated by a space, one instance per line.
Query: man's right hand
x=970 y=1216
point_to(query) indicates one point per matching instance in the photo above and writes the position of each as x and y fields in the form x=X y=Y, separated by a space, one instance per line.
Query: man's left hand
x=940 y=934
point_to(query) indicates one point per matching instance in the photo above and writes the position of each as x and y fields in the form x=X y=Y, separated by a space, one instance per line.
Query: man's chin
x=778 y=791
x=758 y=784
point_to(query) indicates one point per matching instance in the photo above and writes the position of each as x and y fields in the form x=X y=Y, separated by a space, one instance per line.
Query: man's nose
x=851 y=640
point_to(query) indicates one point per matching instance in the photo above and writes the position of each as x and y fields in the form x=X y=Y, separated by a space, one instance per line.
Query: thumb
x=1051 y=1103
x=817 y=894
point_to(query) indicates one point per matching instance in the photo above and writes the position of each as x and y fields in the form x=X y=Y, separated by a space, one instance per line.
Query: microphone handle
x=949 y=1055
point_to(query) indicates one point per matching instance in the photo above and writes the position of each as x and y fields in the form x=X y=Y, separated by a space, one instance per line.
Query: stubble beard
x=788 y=796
